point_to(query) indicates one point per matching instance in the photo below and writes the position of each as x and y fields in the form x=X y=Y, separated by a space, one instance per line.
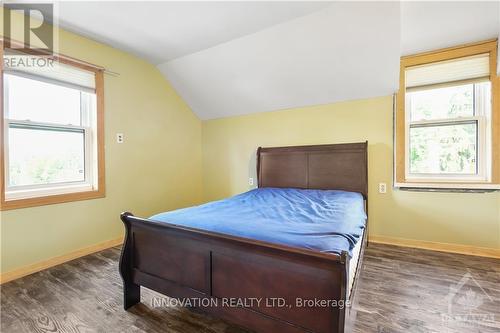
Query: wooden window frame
x=100 y=191
x=400 y=160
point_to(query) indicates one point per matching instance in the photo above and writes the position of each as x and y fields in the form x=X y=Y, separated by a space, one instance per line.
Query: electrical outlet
x=382 y=188
x=119 y=137
x=250 y=181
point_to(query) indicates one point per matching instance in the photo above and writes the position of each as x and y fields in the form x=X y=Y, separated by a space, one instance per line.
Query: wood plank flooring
x=401 y=290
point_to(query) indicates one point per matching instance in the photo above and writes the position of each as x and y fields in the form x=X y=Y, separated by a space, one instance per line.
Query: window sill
x=50 y=199
x=46 y=191
x=448 y=187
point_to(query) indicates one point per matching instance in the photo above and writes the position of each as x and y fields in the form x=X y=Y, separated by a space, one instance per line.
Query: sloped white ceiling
x=345 y=51
x=163 y=30
x=233 y=58
x=342 y=52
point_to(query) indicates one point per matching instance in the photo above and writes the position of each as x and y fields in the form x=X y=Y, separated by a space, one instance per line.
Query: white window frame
x=482 y=116
x=453 y=53
x=88 y=111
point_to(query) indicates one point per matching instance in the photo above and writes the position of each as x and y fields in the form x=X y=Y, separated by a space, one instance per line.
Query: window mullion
x=42 y=125
x=443 y=122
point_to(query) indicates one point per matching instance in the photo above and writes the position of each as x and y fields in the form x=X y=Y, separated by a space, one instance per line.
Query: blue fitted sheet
x=329 y=221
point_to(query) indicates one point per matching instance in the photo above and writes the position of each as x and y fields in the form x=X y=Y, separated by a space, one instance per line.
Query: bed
x=295 y=243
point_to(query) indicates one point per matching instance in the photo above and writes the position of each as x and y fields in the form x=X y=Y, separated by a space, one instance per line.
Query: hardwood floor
x=401 y=290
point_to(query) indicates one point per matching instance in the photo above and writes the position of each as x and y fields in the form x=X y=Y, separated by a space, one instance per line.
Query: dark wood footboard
x=299 y=290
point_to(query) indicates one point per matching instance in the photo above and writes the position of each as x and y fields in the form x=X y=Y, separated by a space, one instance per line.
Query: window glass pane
x=43 y=102
x=442 y=103
x=41 y=156
x=444 y=149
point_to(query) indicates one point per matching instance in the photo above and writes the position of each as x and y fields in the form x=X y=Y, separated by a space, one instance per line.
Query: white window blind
x=55 y=72
x=473 y=68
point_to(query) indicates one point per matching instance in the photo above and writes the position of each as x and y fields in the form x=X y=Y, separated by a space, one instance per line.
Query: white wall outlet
x=119 y=137
x=250 y=181
x=382 y=188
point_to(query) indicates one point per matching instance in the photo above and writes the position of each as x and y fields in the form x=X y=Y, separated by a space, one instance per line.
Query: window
x=52 y=132
x=447 y=118
x=446 y=128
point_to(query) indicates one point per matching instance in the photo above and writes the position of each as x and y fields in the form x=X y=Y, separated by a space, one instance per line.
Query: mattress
x=354 y=262
x=328 y=221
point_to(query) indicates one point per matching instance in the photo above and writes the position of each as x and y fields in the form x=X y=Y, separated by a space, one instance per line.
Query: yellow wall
x=229 y=147
x=157 y=168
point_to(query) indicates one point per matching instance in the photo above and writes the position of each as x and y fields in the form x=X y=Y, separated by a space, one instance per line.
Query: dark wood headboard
x=327 y=167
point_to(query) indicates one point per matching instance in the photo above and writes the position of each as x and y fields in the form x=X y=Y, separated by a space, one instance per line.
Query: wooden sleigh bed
x=183 y=262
